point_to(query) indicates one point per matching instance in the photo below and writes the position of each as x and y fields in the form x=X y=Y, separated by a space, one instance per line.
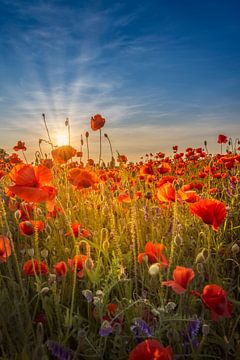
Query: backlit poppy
x=222 y=139
x=5 y=248
x=215 y=299
x=78 y=230
x=151 y=349
x=182 y=276
x=166 y=192
x=211 y=211
x=31 y=183
x=154 y=253
x=78 y=262
x=97 y=122
x=35 y=267
x=61 y=268
x=20 y=146
x=62 y=154
x=28 y=227
x=82 y=178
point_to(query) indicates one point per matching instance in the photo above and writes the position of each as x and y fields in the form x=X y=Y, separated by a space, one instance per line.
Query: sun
x=62 y=139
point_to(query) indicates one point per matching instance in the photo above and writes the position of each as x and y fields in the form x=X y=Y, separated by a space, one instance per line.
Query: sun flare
x=62 y=139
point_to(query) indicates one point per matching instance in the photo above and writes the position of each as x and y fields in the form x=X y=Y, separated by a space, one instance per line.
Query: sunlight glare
x=62 y=139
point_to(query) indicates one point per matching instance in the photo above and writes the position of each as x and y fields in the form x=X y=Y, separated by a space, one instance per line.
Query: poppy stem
x=24 y=157
x=110 y=144
x=45 y=123
x=87 y=148
x=100 y=148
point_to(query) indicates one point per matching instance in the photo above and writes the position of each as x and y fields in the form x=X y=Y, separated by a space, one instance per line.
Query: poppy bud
x=44 y=253
x=44 y=290
x=87 y=134
x=89 y=264
x=235 y=249
x=154 y=269
x=52 y=279
x=17 y=215
x=106 y=245
x=178 y=240
x=205 y=329
x=30 y=252
x=200 y=268
x=202 y=256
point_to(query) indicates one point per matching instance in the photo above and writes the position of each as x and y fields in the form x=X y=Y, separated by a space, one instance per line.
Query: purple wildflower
x=141 y=329
x=59 y=351
x=190 y=334
x=146 y=216
x=105 y=329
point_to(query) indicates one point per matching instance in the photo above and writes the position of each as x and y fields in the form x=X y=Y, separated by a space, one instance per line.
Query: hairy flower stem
x=24 y=157
x=18 y=271
x=100 y=146
x=46 y=127
x=110 y=144
x=87 y=148
x=134 y=244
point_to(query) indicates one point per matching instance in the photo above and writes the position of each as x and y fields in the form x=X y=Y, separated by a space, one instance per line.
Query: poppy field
x=110 y=259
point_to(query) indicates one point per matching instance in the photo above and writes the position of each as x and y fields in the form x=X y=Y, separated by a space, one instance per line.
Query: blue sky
x=160 y=72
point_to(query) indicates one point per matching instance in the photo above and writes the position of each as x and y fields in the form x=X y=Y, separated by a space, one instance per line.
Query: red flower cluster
x=151 y=350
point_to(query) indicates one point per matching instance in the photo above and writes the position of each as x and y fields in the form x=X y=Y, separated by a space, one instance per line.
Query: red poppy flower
x=97 y=122
x=166 y=192
x=47 y=162
x=164 y=168
x=154 y=252
x=122 y=159
x=61 y=268
x=20 y=146
x=211 y=211
x=62 y=154
x=182 y=276
x=28 y=227
x=82 y=179
x=31 y=183
x=215 y=299
x=2 y=174
x=188 y=196
x=77 y=230
x=222 y=139
x=151 y=349
x=124 y=197
x=78 y=262
x=35 y=267
x=14 y=159
x=5 y=248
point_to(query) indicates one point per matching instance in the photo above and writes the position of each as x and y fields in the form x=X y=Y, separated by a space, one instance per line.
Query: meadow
x=120 y=260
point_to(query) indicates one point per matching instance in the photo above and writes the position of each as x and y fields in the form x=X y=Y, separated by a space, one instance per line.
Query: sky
x=162 y=72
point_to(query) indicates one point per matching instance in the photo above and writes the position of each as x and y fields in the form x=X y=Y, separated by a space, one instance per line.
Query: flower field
x=123 y=260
